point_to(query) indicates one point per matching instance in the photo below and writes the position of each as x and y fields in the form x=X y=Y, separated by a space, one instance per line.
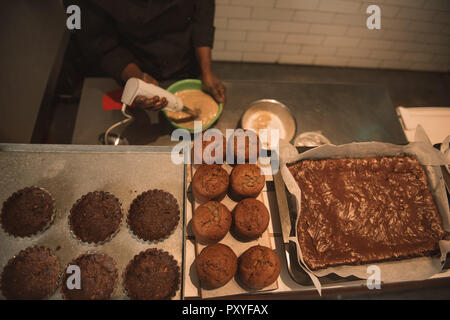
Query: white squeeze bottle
x=135 y=87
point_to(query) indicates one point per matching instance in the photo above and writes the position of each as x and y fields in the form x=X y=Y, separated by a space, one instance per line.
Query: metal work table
x=343 y=112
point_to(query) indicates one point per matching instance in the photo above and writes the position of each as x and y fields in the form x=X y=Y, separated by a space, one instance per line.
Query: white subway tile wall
x=414 y=34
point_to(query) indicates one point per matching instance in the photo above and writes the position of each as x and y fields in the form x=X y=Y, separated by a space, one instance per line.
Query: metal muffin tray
x=69 y=172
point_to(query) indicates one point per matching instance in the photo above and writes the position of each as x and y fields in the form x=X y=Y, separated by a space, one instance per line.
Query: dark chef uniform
x=160 y=36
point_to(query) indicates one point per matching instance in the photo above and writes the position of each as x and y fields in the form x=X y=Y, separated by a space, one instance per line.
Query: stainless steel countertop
x=343 y=112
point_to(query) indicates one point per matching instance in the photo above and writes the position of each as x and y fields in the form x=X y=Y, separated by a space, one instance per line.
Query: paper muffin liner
x=58 y=281
x=157 y=241
x=100 y=243
x=143 y=253
x=38 y=233
x=87 y=253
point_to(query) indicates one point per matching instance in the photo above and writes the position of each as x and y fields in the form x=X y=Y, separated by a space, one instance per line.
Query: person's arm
x=133 y=71
x=154 y=103
x=210 y=82
x=203 y=39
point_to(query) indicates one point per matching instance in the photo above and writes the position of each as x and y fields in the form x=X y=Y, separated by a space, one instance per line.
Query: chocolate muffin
x=96 y=217
x=152 y=275
x=98 y=278
x=153 y=215
x=258 y=268
x=210 y=154
x=28 y=212
x=365 y=210
x=216 y=265
x=244 y=142
x=210 y=182
x=250 y=219
x=211 y=222
x=31 y=275
x=246 y=181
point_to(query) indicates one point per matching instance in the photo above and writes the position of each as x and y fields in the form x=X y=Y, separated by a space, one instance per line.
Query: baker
x=153 y=40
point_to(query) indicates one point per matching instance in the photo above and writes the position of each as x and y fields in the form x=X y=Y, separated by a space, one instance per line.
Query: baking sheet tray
x=267 y=240
x=69 y=172
x=435 y=188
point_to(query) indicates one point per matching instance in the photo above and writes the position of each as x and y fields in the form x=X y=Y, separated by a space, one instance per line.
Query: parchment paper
x=396 y=271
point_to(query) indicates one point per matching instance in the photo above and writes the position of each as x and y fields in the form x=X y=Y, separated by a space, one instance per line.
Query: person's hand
x=153 y=103
x=132 y=70
x=214 y=86
x=149 y=79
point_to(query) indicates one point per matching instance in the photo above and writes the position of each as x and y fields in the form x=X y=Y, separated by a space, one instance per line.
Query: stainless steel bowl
x=273 y=108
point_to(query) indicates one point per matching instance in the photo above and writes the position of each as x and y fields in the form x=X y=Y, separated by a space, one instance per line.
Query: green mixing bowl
x=190 y=84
